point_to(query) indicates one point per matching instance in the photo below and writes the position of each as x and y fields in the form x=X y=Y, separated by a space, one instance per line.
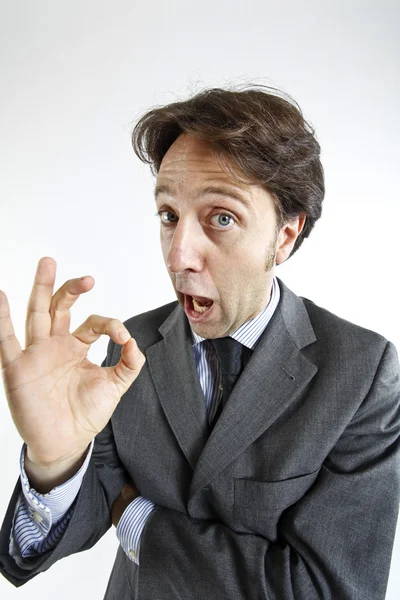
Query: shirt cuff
x=131 y=524
x=46 y=509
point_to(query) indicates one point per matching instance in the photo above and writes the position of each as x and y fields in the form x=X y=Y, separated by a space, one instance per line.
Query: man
x=256 y=440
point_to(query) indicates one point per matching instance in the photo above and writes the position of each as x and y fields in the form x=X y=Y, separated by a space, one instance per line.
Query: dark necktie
x=229 y=353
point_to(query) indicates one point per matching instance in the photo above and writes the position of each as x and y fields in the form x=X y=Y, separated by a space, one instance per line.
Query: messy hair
x=258 y=135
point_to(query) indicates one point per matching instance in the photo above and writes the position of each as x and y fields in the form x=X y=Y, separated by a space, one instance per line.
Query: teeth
x=198 y=308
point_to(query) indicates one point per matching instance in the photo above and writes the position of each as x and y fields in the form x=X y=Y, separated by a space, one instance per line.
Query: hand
x=128 y=495
x=58 y=399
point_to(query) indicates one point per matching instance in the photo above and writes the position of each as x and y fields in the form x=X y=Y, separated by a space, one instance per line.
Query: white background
x=74 y=78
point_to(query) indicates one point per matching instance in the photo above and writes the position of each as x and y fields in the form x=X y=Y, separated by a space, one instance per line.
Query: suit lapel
x=172 y=367
x=275 y=375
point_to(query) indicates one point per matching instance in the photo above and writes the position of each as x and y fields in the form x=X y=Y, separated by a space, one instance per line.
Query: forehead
x=188 y=151
x=191 y=162
x=190 y=171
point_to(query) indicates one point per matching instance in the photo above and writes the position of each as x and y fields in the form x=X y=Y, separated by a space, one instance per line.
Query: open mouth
x=197 y=306
x=201 y=305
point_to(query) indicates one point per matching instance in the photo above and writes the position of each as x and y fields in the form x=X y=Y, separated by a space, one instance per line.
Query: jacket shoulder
x=346 y=336
x=358 y=364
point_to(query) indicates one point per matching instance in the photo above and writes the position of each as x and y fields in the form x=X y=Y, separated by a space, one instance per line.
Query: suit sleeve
x=91 y=518
x=41 y=519
x=336 y=542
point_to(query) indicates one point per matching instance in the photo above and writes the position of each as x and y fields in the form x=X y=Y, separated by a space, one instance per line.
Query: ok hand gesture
x=58 y=399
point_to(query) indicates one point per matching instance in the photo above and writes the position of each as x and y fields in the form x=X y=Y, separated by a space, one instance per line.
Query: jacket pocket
x=272 y=495
x=258 y=505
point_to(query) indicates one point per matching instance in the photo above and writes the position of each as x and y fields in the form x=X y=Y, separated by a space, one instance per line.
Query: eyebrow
x=219 y=190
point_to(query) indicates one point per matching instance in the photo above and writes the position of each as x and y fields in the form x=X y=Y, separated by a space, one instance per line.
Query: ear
x=287 y=237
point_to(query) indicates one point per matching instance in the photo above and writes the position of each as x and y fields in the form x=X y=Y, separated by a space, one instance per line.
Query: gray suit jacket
x=293 y=496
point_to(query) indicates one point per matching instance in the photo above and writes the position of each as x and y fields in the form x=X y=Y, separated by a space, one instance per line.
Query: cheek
x=230 y=286
x=164 y=246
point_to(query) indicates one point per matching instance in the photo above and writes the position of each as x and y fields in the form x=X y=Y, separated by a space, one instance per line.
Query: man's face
x=220 y=251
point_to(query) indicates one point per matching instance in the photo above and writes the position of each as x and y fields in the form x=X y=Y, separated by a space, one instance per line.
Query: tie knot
x=229 y=352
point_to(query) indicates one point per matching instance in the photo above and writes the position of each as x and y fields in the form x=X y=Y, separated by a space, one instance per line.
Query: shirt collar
x=249 y=333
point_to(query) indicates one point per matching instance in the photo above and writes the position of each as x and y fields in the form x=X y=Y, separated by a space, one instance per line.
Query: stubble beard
x=270 y=260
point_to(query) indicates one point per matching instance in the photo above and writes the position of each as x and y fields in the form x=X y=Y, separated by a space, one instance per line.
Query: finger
x=96 y=326
x=62 y=301
x=10 y=348
x=132 y=360
x=38 y=319
x=128 y=368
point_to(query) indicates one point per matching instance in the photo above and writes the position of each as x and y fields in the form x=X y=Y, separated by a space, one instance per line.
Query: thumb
x=129 y=366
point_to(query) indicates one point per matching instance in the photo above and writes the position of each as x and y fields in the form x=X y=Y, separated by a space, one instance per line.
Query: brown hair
x=260 y=130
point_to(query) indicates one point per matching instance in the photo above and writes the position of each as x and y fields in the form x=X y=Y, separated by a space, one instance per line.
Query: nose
x=185 y=250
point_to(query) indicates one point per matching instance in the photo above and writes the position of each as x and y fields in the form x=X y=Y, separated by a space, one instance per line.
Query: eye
x=167 y=217
x=222 y=220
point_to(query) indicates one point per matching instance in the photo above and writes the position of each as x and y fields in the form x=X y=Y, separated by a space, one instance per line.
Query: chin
x=202 y=330
x=210 y=331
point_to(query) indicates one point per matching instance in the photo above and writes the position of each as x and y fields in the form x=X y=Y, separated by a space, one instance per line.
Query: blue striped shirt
x=41 y=519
